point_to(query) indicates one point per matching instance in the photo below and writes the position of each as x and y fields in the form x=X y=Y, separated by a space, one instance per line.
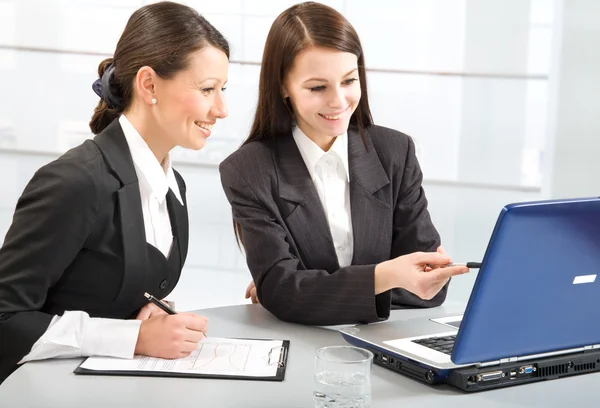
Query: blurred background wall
x=499 y=96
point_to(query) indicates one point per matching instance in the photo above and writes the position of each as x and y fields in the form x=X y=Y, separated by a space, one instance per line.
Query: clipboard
x=276 y=357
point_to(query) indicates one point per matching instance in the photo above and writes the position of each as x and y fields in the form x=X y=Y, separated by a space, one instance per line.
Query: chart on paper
x=214 y=356
x=218 y=357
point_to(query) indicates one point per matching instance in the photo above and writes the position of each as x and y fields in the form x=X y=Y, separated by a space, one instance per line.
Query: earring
x=154 y=101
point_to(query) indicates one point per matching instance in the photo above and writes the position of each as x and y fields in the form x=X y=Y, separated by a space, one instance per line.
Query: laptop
x=532 y=315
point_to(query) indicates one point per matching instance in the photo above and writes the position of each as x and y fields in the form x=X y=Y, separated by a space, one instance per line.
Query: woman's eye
x=350 y=81
x=317 y=88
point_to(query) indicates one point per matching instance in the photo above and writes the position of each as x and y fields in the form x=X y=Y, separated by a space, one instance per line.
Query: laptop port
x=526 y=370
x=384 y=359
x=492 y=375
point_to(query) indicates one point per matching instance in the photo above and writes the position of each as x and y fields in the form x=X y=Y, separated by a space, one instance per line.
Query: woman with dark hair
x=328 y=206
x=107 y=222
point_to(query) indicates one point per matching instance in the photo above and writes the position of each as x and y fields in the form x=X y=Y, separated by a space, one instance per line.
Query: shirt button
x=328 y=161
x=341 y=248
x=164 y=284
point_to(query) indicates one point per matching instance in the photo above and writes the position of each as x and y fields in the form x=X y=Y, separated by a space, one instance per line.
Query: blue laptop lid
x=537 y=290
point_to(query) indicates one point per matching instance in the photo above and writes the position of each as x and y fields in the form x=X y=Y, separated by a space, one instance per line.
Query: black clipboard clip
x=280 y=360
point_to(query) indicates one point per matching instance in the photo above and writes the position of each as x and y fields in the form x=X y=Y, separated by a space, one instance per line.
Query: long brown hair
x=298 y=28
x=160 y=35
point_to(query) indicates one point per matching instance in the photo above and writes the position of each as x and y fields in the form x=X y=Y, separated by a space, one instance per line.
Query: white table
x=53 y=384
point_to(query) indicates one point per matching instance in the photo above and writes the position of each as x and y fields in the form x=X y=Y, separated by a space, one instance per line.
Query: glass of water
x=342 y=377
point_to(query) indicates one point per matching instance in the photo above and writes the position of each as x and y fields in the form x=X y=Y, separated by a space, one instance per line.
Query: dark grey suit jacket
x=288 y=244
x=77 y=242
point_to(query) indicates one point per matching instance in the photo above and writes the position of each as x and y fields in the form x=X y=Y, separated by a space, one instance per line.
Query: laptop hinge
x=488 y=363
x=509 y=360
x=593 y=347
x=496 y=362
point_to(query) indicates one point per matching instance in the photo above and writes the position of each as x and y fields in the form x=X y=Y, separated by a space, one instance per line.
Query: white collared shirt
x=155 y=181
x=75 y=334
x=330 y=174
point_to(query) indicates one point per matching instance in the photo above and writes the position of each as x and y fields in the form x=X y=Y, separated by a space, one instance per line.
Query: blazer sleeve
x=53 y=218
x=413 y=229
x=314 y=297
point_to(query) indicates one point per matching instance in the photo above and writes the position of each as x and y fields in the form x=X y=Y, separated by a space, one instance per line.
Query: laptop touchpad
x=451 y=321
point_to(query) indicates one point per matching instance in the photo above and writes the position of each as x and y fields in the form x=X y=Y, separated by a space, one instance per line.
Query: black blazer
x=77 y=242
x=288 y=243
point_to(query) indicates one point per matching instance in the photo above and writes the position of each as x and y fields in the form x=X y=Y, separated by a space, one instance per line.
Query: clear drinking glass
x=342 y=377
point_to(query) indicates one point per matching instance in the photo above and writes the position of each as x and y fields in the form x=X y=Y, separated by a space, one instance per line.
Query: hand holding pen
x=162 y=305
x=470 y=265
x=170 y=335
x=165 y=307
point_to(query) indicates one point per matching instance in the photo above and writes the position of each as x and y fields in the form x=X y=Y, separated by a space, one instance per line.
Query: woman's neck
x=150 y=132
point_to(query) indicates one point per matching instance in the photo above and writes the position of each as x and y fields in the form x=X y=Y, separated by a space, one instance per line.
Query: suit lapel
x=305 y=217
x=302 y=209
x=371 y=217
x=179 y=221
x=115 y=150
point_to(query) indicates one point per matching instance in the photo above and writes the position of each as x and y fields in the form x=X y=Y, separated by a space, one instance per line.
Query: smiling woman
x=323 y=89
x=166 y=80
x=107 y=222
x=328 y=206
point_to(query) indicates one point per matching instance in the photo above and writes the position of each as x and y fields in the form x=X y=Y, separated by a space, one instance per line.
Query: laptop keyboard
x=441 y=344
